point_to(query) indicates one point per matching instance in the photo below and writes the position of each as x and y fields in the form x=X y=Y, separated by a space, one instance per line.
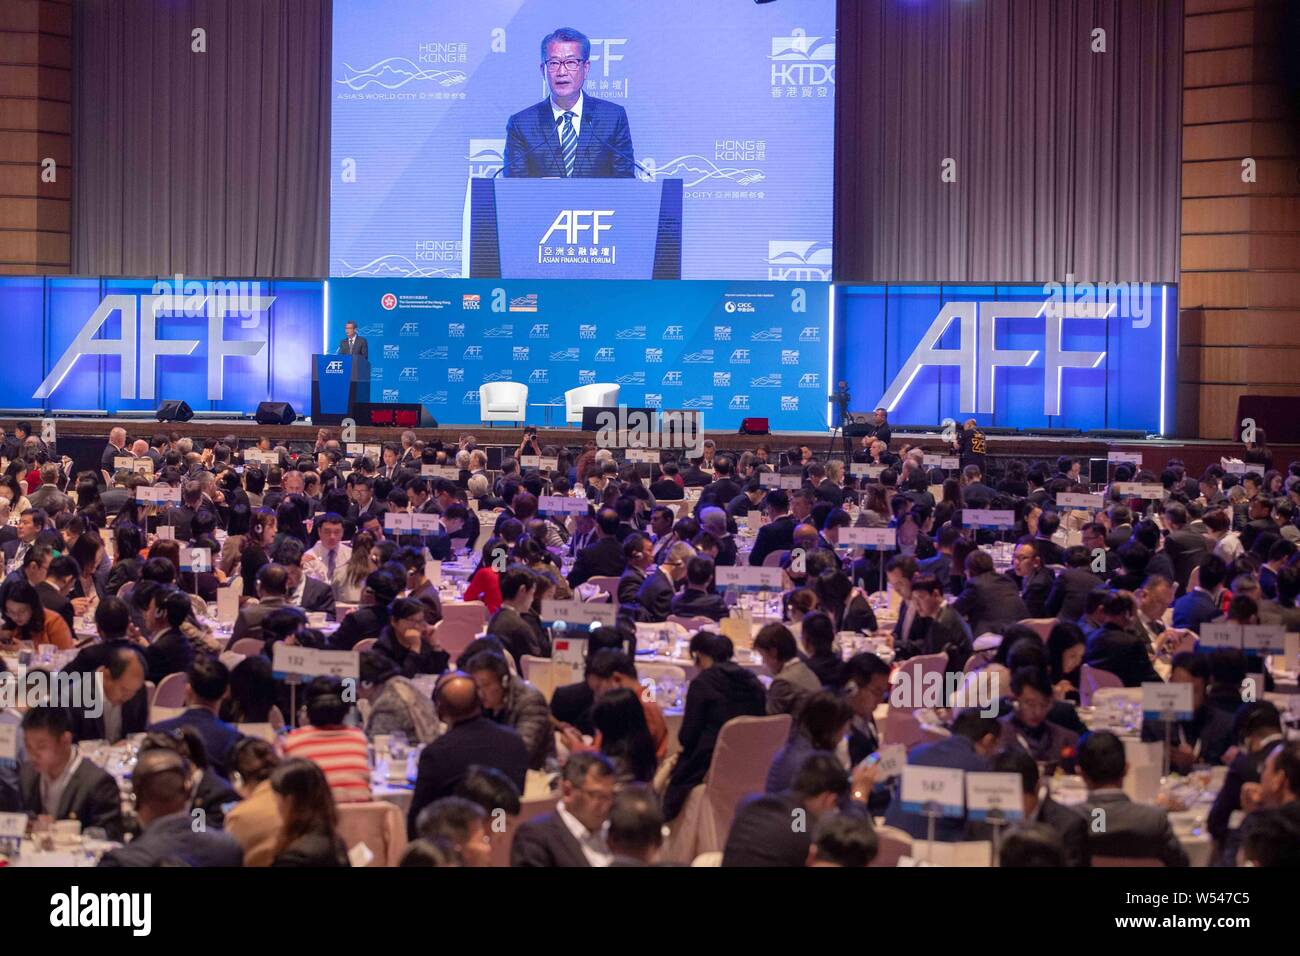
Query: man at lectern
x=353 y=344
x=569 y=134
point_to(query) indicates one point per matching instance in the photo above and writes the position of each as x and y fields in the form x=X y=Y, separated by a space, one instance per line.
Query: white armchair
x=588 y=396
x=503 y=402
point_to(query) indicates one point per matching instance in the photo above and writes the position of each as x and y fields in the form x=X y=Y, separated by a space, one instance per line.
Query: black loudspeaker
x=275 y=413
x=175 y=412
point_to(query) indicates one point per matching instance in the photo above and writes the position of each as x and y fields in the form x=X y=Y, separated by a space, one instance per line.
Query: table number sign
x=987 y=518
x=866 y=471
x=750 y=579
x=1263 y=638
x=1161 y=701
x=872 y=539
x=530 y=461
x=310 y=662
x=582 y=613
x=397 y=521
x=1124 y=457
x=893 y=758
x=1067 y=499
x=1000 y=792
x=1220 y=634
x=940 y=787
x=1140 y=489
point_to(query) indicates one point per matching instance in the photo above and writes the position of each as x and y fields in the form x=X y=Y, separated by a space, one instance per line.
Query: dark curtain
x=1067 y=160
x=211 y=163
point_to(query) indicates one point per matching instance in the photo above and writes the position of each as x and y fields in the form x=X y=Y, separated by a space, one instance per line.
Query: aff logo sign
x=140 y=336
x=978 y=358
x=575 y=223
x=334 y=368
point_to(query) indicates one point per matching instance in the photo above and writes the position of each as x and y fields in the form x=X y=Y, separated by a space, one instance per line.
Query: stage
x=82 y=439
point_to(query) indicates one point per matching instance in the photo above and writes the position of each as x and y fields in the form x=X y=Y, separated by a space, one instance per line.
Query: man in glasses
x=569 y=134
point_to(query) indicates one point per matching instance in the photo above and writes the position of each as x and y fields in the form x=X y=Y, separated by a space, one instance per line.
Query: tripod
x=841 y=400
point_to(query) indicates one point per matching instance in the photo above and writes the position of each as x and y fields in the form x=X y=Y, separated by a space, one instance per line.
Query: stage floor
x=1196 y=454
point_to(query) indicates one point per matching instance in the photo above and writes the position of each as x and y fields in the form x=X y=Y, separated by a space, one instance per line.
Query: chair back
x=1042 y=626
x=171 y=691
x=260 y=731
x=461 y=622
x=1093 y=679
x=900 y=726
x=230 y=658
x=713 y=858
x=744 y=752
x=378 y=824
x=894 y=845
x=248 y=646
x=540 y=672
x=774 y=559
x=920 y=667
x=607 y=583
x=598 y=395
x=365 y=644
x=529 y=809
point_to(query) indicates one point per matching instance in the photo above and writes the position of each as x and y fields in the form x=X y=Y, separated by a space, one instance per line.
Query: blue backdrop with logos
x=1028 y=356
x=126 y=344
x=728 y=349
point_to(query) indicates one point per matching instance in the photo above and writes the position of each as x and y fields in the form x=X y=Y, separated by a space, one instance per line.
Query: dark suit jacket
x=546 y=842
x=990 y=601
x=444 y=763
x=1072 y=827
x=313 y=850
x=92 y=796
x=604 y=142
x=776 y=535
x=1194 y=609
x=362 y=347
x=1035 y=591
x=1069 y=593
x=1131 y=829
x=218 y=736
x=368 y=621
x=515 y=634
x=1122 y=653
x=667 y=490
x=135 y=712
x=654 y=598
x=629 y=585
x=1246 y=767
x=694 y=603
x=318 y=596
x=170 y=653
x=249 y=621
x=172 y=839
x=604 y=558
x=1209 y=726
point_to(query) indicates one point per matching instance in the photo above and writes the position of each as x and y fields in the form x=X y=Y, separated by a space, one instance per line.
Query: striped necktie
x=568 y=142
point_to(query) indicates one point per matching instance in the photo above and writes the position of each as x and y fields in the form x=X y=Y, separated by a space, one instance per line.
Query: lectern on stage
x=338 y=384
x=574 y=229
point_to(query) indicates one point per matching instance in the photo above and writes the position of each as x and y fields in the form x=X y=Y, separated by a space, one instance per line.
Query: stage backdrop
x=1027 y=356
x=127 y=344
x=734 y=99
x=727 y=349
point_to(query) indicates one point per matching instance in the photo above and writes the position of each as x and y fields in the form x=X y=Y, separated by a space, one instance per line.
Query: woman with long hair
x=875 y=507
x=1065 y=646
x=236 y=530
x=89 y=504
x=309 y=833
x=822 y=725
x=350 y=578
x=485 y=585
x=254 y=550
x=624 y=735
x=25 y=619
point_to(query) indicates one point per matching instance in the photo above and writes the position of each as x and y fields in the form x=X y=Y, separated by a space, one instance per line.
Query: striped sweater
x=341 y=752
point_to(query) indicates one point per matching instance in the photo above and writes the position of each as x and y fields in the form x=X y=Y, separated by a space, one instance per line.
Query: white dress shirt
x=575 y=109
x=593 y=845
x=52 y=790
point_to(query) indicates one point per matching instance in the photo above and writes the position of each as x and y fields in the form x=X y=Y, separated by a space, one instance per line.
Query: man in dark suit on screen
x=569 y=134
x=353 y=344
